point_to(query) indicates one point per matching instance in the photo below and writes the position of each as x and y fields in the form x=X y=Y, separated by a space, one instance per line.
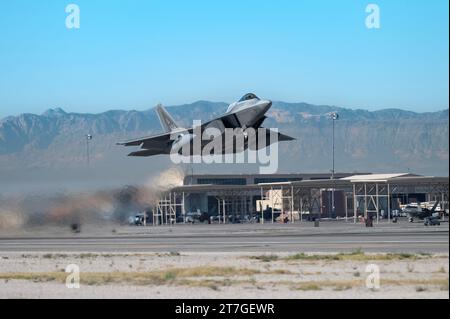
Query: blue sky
x=134 y=54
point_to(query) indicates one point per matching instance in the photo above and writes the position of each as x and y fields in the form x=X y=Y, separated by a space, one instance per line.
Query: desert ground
x=335 y=260
x=224 y=275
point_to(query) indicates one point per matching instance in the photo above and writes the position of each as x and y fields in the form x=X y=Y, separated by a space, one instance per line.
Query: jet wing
x=226 y=121
x=159 y=141
x=149 y=152
x=162 y=143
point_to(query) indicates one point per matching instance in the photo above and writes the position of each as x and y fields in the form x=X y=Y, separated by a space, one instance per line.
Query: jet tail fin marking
x=435 y=206
x=166 y=120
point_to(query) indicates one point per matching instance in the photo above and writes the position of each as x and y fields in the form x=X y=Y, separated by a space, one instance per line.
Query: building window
x=222 y=181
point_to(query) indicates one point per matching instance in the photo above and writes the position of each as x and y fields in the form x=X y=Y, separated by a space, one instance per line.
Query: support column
x=183 y=209
x=389 y=202
x=175 y=207
x=271 y=199
x=365 y=201
x=300 y=205
x=377 y=201
x=218 y=209
x=261 y=207
x=346 y=207
x=354 y=204
x=292 y=204
x=223 y=211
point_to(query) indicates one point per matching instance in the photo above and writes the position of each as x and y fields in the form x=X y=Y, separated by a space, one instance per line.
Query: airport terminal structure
x=297 y=197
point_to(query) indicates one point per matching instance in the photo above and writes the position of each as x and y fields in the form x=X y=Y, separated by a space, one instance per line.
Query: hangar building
x=241 y=197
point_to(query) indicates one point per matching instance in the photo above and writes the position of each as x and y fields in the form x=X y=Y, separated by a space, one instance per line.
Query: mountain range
x=52 y=145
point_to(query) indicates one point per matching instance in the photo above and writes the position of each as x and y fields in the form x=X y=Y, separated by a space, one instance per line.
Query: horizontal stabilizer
x=269 y=136
x=282 y=137
x=130 y=143
x=146 y=153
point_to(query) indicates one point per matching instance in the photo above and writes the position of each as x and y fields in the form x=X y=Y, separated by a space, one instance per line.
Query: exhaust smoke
x=96 y=207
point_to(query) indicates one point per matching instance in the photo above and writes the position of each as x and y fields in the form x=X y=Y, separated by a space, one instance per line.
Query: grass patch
x=82 y=255
x=339 y=285
x=214 y=271
x=265 y=258
x=357 y=255
x=169 y=276
x=404 y=256
x=342 y=287
x=356 y=252
x=137 y=278
x=213 y=284
x=214 y=278
x=54 y=256
x=303 y=256
x=334 y=284
x=441 y=270
x=35 y=277
x=279 y=272
x=96 y=255
x=418 y=282
x=308 y=286
x=92 y=255
x=169 y=254
x=174 y=253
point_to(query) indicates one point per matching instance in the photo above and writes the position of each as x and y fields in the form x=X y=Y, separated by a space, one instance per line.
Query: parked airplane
x=416 y=211
x=248 y=112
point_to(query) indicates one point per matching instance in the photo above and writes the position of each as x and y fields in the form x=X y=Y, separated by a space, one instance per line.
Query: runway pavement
x=331 y=236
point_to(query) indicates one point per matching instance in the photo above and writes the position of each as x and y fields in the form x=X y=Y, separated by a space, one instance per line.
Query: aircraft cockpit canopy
x=248 y=96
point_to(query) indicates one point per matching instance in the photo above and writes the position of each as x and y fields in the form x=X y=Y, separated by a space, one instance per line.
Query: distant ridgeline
x=389 y=140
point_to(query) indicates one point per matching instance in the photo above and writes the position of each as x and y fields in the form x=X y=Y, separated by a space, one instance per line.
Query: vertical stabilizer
x=165 y=119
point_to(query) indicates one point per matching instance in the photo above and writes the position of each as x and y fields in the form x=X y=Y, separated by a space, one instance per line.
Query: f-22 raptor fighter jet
x=247 y=114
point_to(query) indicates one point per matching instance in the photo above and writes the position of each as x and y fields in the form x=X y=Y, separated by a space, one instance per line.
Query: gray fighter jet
x=415 y=211
x=248 y=112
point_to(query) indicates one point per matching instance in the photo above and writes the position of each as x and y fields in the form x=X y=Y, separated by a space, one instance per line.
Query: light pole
x=88 y=138
x=334 y=117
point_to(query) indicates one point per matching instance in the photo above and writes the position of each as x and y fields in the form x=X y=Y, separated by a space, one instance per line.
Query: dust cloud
x=101 y=206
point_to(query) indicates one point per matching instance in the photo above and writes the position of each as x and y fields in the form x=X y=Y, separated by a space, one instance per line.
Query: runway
x=301 y=237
